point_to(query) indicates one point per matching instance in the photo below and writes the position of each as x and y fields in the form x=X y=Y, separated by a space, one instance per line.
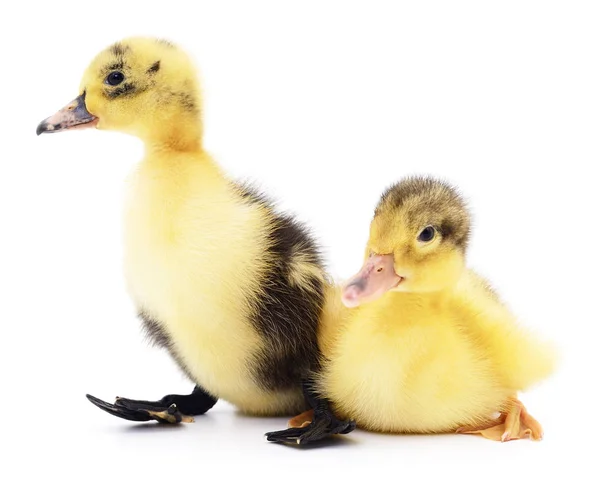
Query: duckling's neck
x=179 y=133
x=179 y=160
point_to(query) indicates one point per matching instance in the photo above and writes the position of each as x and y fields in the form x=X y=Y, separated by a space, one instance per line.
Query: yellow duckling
x=426 y=346
x=231 y=288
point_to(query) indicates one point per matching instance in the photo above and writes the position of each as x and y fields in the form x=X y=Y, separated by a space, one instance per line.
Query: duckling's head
x=142 y=86
x=417 y=242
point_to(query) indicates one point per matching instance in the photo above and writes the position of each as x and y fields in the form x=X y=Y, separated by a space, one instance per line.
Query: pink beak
x=376 y=277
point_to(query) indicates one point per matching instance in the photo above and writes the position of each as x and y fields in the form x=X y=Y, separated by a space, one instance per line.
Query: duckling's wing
x=522 y=357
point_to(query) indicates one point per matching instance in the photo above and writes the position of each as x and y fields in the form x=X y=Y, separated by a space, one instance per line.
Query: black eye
x=427 y=234
x=115 y=78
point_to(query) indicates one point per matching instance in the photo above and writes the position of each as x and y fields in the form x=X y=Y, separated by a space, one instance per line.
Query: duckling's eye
x=427 y=234
x=115 y=78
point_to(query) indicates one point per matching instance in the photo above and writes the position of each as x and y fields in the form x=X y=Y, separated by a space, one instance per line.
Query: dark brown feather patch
x=119 y=91
x=154 y=67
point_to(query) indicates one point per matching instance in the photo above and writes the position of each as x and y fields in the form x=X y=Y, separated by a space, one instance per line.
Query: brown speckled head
x=422 y=202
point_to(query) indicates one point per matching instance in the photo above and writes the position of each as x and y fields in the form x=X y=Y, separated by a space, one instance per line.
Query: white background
x=325 y=104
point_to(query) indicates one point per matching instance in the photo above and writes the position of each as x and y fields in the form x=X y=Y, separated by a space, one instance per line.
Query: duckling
x=424 y=344
x=230 y=287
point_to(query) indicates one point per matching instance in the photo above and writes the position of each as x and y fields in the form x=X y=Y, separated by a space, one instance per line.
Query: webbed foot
x=323 y=425
x=170 y=409
x=512 y=424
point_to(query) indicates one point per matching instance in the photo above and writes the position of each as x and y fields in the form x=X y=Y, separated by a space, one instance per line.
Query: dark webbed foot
x=171 y=409
x=323 y=424
x=134 y=410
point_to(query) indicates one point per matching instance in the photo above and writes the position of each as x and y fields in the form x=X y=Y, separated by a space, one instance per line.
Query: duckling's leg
x=513 y=423
x=323 y=424
x=170 y=409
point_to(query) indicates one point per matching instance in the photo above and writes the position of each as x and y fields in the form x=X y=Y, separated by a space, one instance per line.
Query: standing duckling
x=231 y=288
x=425 y=346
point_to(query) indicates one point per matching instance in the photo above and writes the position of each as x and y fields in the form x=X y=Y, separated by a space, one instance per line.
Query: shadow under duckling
x=231 y=288
x=424 y=344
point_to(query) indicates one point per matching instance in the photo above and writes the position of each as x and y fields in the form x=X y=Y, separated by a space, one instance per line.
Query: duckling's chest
x=178 y=250
x=416 y=374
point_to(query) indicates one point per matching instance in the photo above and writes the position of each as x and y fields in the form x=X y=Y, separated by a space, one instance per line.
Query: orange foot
x=302 y=420
x=512 y=424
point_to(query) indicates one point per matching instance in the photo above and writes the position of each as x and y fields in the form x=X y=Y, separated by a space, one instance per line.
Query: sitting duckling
x=425 y=345
x=231 y=288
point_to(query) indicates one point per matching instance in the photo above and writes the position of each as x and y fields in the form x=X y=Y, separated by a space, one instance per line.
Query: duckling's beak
x=73 y=115
x=376 y=277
